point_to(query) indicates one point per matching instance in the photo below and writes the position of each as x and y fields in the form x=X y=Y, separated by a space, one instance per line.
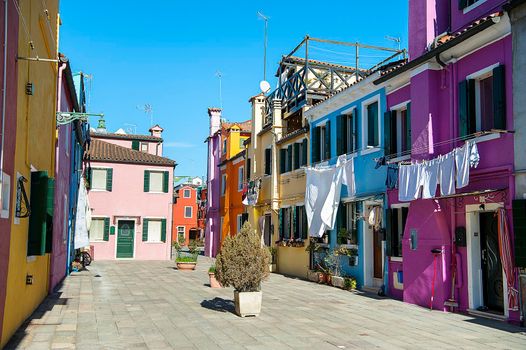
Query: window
x=302 y=229
x=482 y=101
x=188 y=212
x=242 y=142
x=371 y=125
x=240 y=178
x=180 y=233
x=268 y=161
x=5 y=190
x=221 y=226
x=397 y=218
x=40 y=231
x=156 y=181
x=293 y=157
x=96 y=231
x=186 y=193
x=239 y=221
x=321 y=143
x=154 y=230
x=285 y=221
x=223 y=184
x=248 y=169
x=346 y=224
x=223 y=151
x=397 y=128
x=464 y=4
x=293 y=223
x=346 y=129
x=144 y=146
x=101 y=179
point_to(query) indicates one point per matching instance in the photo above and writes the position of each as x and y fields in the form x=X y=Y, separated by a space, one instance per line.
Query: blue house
x=351 y=123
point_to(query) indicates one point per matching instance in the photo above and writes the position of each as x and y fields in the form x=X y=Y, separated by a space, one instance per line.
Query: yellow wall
x=35 y=146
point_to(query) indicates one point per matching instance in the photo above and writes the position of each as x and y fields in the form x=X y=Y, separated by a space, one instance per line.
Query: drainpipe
x=59 y=83
x=4 y=93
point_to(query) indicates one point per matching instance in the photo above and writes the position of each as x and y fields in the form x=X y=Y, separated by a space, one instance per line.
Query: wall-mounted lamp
x=482 y=206
x=29 y=279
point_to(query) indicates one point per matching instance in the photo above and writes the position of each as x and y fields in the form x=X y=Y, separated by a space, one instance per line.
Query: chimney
x=101 y=127
x=156 y=131
x=427 y=20
x=215 y=119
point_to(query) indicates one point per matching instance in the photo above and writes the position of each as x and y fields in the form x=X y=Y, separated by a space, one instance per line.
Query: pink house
x=130 y=194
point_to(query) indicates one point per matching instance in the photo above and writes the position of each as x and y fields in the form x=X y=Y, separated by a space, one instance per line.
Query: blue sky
x=166 y=53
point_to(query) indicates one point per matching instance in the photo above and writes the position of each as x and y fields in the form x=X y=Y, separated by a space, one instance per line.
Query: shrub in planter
x=349 y=283
x=185 y=261
x=243 y=264
x=214 y=283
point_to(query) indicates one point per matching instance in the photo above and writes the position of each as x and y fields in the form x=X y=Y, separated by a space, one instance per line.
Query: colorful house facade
x=457 y=88
x=185 y=213
x=32 y=180
x=233 y=171
x=131 y=194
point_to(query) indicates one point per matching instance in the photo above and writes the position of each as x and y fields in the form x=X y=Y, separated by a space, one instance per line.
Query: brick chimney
x=215 y=119
x=156 y=131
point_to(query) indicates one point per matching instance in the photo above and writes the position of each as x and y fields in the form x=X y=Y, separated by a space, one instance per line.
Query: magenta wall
x=212 y=236
x=9 y=142
x=127 y=198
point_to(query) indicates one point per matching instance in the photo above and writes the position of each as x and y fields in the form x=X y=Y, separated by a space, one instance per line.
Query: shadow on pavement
x=219 y=304
x=500 y=325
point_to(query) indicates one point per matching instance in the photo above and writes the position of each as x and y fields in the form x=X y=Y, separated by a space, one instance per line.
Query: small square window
x=144 y=146
x=154 y=230
x=186 y=193
x=98 y=179
x=180 y=233
x=156 y=181
x=96 y=231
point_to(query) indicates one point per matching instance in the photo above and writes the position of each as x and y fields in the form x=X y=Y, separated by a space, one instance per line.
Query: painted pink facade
x=432 y=87
x=128 y=201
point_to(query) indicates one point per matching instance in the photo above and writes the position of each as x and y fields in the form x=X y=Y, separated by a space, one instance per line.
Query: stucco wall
x=178 y=212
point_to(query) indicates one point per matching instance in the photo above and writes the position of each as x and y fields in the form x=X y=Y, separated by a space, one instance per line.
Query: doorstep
x=489 y=315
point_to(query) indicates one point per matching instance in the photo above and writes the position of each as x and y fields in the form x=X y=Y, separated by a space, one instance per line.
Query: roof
x=301 y=61
x=108 y=152
x=245 y=126
x=238 y=155
x=442 y=44
x=110 y=135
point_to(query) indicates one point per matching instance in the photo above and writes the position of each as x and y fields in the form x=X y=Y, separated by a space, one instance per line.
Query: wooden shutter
x=109 y=179
x=248 y=169
x=408 y=141
x=341 y=221
x=135 y=145
x=389 y=232
x=282 y=160
x=499 y=98
x=166 y=182
x=296 y=156
x=50 y=212
x=268 y=160
x=106 y=229
x=327 y=140
x=289 y=158
x=280 y=222
x=519 y=229
x=163 y=230
x=462 y=4
x=305 y=225
x=145 y=230
x=36 y=244
x=315 y=150
x=293 y=224
x=466 y=107
x=146 y=181
x=341 y=134
x=244 y=218
x=304 y=151
x=387 y=132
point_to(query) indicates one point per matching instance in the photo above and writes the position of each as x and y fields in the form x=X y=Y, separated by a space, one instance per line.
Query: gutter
x=435 y=52
x=4 y=95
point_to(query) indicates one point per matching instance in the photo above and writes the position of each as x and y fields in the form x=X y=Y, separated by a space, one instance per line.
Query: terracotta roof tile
x=110 y=135
x=244 y=126
x=108 y=152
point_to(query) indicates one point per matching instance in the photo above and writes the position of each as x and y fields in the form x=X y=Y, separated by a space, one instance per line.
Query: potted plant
x=273 y=258
x=186 y=261
x=243 y=264
x=349 y=283
x=214 y=283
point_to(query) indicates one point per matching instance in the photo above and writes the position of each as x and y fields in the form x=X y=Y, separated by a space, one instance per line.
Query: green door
x=126 y=231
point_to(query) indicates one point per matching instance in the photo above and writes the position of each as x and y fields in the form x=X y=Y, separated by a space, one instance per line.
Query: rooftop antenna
x=130 y=128
x=265 y=18
x=89 y=78
x=219 y=76
x=395 y=39
x=148 y=110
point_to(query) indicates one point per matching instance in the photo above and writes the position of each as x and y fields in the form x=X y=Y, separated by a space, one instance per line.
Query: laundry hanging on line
x=252 y=193
x=323 y=191
x=447 y=170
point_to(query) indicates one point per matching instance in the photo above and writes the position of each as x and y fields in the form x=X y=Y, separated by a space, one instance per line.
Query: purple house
x=213 y=182
x=453 y=250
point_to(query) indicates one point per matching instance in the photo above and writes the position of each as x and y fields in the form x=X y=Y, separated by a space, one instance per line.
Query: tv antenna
x=148 y=110
x=219 y=76
x=397 y=40
x=130 y=128
x=264 y=18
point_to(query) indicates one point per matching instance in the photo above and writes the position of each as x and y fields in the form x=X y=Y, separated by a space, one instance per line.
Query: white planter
x=248 y=303
x=337 y=281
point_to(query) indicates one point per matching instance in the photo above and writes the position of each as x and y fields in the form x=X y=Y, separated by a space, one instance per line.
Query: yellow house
x=29 y=263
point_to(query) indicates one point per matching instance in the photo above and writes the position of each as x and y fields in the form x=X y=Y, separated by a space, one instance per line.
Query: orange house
x=233 y=170
x=185 y=213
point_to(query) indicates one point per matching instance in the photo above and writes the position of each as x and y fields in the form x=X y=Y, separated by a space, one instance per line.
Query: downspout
x=4 y=93
x=59 y=83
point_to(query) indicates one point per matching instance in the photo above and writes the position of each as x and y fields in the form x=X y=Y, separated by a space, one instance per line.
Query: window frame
x=159 y=220
x=240 y=178
x=191 y=212
x=399 y=230
x=144 y=144
x=401 y=134
x=365 y=123
x=189 y=193
x=223 y=150
x=223 y=184
x=93 y=177
x=477 y=76
x=101 y=240
x=5 y=196
x=150 y=180
x=179 y=232
x=472 y=6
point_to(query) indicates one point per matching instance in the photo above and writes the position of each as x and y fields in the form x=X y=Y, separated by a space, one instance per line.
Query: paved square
x=151 y=305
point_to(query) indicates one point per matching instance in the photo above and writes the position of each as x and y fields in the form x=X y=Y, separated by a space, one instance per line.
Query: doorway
x=491 y=265
x=373 y=246
x=125 y=238
x=377 y=254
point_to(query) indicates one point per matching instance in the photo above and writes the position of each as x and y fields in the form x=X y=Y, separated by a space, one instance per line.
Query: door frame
x=368 y=248
x=134 y=237
x=475 y=289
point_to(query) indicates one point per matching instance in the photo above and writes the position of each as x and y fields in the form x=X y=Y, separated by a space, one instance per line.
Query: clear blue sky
x=166 y=53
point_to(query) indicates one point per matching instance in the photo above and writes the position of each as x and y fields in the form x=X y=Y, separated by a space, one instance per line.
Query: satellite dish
x=264 y=86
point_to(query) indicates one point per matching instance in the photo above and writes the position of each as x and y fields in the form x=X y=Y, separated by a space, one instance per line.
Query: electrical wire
x=24 y=25
x=46 y=12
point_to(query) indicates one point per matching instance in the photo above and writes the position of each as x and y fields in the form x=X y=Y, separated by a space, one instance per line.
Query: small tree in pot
x=243 y=264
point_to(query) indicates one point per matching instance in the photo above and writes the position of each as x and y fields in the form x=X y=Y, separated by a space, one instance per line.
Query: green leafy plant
x=212 y=269
x=243 y=262
x=349 y=283
x=272 y=251
x=179 y=244
x=193 y=248
x=185 y=259
x=344 y=251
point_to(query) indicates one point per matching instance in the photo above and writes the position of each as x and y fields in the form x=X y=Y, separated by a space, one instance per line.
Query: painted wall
x=8 y=166
x=154 y=148
x=213 y=183
x=179 y=209
x=128 y=199
x=35 y=147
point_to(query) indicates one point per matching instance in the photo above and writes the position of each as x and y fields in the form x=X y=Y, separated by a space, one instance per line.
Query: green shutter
x=280 y=222
x=109 y=179
x=340 y=142
x=49 y=216
x=106 y=229
x=315 y=150
x=341 y=222
x=408 y=141
x=282 y=160
x=268 y=161
x=166 y=175
x=163 y=230
x=328 y=140
x=356 y=127
x=135 y=145
x=305 y=232
x=145 y=230
x=466 y=107
x=304 y=151
x=390 y=214
x=36 y=244
x=387 y=132
x=462 y=4
x=499 y=98
x=289 y=158
x=519 y=230
x=293 y=223
x=89 y=177
x=146 y=181
x=296 y=156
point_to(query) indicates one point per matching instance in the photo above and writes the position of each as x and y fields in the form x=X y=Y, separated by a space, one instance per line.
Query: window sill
x=370 y=150
x=98 y=190
x=473 y=6
x=350 y=246
x=101 y=241
x=157 y=192
x=160 y=242
x=396 y=259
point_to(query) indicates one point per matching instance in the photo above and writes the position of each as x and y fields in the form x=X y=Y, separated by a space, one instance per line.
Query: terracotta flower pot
x=186 y=265
x=322 y=278
x=214 y=283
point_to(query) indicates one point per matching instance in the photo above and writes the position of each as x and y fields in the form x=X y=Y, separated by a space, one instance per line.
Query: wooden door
x=377 y=253
x=125 y=239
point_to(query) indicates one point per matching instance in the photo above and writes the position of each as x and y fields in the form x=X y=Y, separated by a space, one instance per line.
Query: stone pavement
x=151 y=305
